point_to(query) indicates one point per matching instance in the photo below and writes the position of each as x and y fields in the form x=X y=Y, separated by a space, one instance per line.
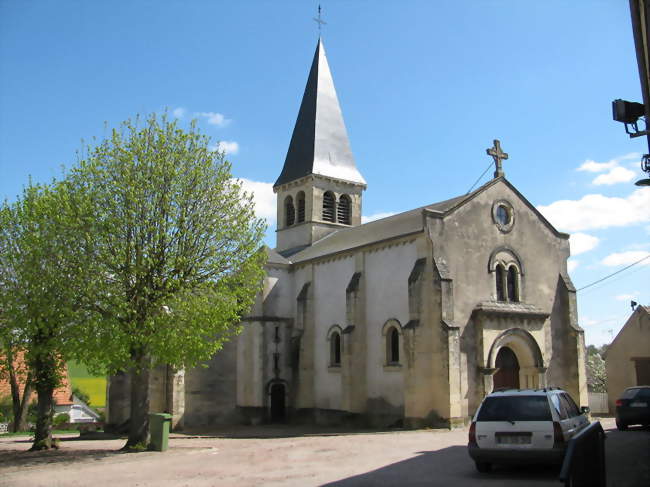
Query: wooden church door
x=507 y=365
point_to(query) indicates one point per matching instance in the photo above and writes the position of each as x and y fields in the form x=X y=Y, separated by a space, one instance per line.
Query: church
x=405 y=321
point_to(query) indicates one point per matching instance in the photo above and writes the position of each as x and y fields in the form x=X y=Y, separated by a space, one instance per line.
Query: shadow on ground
x=25 y=458
x=260 y=432
x=449 y=466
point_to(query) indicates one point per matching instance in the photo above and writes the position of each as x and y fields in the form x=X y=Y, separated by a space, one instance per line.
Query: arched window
x=508 y=270
x=335 y=349
x=300 y=202
x=513 y=284
x=392 y=346
x=499 y=275
x=329 y=207
x=343 y=210
x=289 y=211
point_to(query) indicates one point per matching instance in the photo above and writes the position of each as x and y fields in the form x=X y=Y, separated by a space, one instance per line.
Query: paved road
x=409 y=458
x=628 y=456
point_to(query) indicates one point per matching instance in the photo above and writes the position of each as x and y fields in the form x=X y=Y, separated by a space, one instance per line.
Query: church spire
x=319 y=143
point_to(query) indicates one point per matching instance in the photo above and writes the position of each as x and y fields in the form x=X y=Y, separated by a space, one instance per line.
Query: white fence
x=4 y=427
x=598 y=403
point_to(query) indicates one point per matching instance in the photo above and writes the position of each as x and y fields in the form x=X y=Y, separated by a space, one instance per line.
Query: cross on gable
x=498 y=155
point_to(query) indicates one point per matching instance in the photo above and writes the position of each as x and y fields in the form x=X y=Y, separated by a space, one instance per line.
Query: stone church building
x=408 y=320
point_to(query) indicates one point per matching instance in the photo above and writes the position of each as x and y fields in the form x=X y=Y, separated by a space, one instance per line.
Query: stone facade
x=409 y=320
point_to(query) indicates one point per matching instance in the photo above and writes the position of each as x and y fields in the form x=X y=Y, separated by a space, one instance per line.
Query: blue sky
x=424 y=88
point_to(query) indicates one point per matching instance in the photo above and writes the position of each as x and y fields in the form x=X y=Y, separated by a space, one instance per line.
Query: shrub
x=80 y=394
x=60 y=419
x=6 y=410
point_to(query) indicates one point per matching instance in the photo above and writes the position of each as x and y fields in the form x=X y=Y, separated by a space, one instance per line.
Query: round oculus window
x=503 y=215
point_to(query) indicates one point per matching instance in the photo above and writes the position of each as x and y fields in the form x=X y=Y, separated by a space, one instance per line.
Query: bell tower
x=319 y=188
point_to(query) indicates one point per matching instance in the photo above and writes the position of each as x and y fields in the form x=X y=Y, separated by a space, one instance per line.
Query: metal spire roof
x=319 y=143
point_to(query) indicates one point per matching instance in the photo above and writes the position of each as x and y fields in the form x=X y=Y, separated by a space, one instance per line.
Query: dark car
x=633 y=407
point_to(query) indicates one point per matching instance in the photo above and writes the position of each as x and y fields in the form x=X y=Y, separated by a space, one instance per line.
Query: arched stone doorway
x=278 y=402
x=514 y=361
x=507 y=374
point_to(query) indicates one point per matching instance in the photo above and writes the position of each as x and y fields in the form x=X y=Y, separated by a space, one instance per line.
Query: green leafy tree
x=39 y=269
x=176 y=252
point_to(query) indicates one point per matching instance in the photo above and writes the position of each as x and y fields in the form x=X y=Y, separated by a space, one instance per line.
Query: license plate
x=639 y=405
x=513 y=439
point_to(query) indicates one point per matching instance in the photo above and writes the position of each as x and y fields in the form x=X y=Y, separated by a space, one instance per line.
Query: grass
x=94 y=386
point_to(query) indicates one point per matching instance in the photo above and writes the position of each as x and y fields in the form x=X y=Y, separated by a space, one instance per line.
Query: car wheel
x=483 y=467
x=621 y=426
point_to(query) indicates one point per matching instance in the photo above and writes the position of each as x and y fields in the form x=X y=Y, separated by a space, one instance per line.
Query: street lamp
x=629 y=113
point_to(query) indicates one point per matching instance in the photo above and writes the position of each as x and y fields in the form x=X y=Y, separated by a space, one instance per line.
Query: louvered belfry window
x=290 y=211
x=343 y=210
x=329 y=207
x=300 y=200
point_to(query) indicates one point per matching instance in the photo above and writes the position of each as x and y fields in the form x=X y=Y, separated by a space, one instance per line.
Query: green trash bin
x=159 y=431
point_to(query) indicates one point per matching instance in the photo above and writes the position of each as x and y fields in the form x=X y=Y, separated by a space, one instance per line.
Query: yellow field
x=95 y=387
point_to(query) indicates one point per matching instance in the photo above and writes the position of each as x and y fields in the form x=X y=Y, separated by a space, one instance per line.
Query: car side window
x=561 y=411
x=571 y=408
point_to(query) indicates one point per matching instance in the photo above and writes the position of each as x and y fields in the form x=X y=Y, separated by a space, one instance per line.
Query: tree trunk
x=20 y=422
x=15 y=392
x=139 y=407
x=20 y=406
x=43 y=433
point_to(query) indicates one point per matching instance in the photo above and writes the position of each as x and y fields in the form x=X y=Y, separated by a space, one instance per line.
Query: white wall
x=387 y=272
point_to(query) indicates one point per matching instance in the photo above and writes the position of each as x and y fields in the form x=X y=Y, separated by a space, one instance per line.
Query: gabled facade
x=408 y=320
x=627 y=359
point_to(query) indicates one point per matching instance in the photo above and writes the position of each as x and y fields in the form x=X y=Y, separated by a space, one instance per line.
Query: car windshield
x=515 y=408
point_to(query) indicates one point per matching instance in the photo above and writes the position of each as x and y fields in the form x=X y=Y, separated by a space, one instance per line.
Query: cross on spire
x=498 y=155
x=319 y=21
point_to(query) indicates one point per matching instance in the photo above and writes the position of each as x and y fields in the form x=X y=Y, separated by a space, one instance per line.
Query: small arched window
x=513 y=284
x=343 y=210
x=392 y=346
x=329 y=207
x=300 y=202
x=335 y=349
x=499 y=276
x=289 y=211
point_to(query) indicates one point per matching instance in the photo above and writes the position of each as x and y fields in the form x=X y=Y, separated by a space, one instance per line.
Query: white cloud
x=376 y=216
x=582 y=242
x=593 y=166
x=615 y=175
x=264 y=198
x=627 y=297
x=225 y=146
x=572 y=264
x=626 y=258
x=214 y=118
x=179 y=112
x=598 y=211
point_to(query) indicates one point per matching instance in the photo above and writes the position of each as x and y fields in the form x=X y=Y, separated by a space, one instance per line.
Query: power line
x=618 y=278
x=479 y=178
x=614 y=273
